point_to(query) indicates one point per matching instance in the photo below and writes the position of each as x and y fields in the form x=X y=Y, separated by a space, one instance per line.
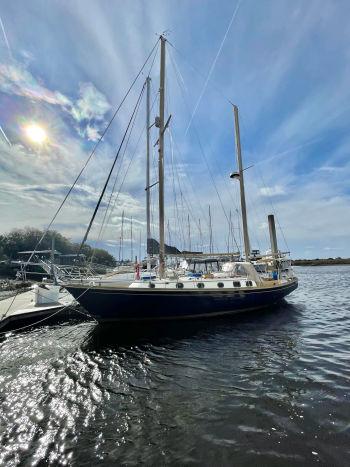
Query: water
x=265 y=389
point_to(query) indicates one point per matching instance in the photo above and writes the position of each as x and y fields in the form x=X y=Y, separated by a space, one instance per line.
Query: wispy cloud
x=293 y=114
x=5 y=38
x=272 y=191
x=5 y=136
x=88 y=110
x=16 y=79
x=91 y=104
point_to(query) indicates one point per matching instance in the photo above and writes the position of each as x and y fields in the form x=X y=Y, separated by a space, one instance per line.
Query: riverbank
x=321 y=262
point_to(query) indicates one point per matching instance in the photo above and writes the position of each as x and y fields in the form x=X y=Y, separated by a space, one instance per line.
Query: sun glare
x=36 y=133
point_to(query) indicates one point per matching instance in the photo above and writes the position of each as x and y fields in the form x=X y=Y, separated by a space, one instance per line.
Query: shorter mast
x=241 y=186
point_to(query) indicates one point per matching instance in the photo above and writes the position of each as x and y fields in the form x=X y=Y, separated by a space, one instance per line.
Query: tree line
x=26 y=240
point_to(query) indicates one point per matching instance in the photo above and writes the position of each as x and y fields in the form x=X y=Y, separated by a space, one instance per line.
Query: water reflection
x=117 y=334
x=273 y=384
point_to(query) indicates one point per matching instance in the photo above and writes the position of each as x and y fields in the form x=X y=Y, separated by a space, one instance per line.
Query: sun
x=36 y=133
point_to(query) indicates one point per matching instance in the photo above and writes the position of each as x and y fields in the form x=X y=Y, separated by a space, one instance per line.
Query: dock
x=22 y=309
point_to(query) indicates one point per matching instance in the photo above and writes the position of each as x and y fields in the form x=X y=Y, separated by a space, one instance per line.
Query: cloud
x=92 y=133
x=88 y=110
x=91 y=105
x=271 y=191
x=293 y=115
x=16 y=79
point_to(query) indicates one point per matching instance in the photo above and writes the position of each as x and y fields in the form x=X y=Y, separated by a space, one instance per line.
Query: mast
x=273 y=237
x=140 y=246
x=52 y=258
x=229 y=234
x=241 y=185
x=148 y=191
x=121 y=240
x=169 y=234
x=161 y=158
x=200 y=234
x=189 y=233
x=210 y=234
x=131 y=241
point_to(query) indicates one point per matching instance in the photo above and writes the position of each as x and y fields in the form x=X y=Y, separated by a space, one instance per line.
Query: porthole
x=220 y=285
x=179 y=285
x=236 y=284
x=151 y=285
x=249 y=283
x=200 y=285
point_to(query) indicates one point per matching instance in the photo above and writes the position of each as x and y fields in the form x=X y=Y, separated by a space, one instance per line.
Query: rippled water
x=270 y=388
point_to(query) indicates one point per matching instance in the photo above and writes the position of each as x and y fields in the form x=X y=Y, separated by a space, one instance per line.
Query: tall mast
x=161 y=158
x=189 y=232
x=148 y=190
x=241 y=186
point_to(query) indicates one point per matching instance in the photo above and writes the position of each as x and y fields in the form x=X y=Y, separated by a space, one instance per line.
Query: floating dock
x=35 y=305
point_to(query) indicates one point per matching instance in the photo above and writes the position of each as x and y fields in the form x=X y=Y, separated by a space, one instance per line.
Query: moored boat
x=235 y=287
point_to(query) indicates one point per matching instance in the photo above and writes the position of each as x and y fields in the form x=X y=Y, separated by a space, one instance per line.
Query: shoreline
x=321 y=262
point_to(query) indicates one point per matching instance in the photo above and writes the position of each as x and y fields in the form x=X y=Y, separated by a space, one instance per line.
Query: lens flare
x=36 y=133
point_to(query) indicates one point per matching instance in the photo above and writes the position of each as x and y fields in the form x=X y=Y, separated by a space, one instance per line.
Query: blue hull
x=107 y=304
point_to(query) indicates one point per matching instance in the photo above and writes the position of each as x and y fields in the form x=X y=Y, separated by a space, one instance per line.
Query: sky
x=66 y=66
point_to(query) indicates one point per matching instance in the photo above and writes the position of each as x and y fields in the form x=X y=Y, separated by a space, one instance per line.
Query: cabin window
x=179 y=285
x=200 y=285
x=151 y=285
x=220 y=285
x=249 y=283
x=236 y=284
x=240 y=270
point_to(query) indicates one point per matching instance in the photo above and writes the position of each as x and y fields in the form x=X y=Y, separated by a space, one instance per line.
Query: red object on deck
x=137 y=271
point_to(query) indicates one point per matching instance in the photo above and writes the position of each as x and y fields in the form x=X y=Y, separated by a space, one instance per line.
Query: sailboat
x=235 y=287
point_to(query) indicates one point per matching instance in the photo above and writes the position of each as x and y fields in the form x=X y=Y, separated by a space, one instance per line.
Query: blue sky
x=66 y=66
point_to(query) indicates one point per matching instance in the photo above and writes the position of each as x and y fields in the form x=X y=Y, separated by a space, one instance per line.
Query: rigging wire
x=173 y=143
x=77 y=178
x=176 y=206
x=111 y=170
x=225 y=181
x=258 y=170
x=119 y=170
x=120 y=165
x=178 y=72
x=92 y=153
x=213 y=65
x=187 y=201
x=202 y=152
x=154 y=50
x=273 y=208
